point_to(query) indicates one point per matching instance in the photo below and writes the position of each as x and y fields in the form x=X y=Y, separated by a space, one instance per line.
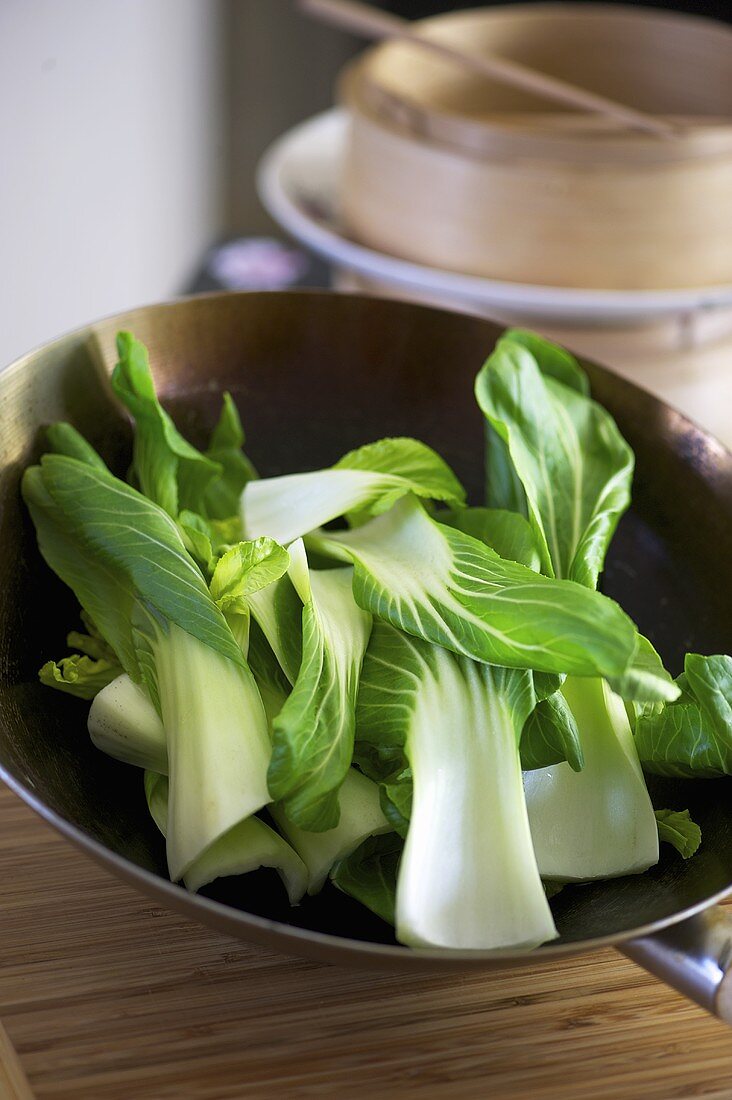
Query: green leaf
x=82 y=676
x=574 y=466
x=468 y=877
x=645 y=680
x=196 y=533
x=396 y=800
x=508 y=533
x=118 y=551
x=168 y=469
x=277 y=610
x=79 y=675
x=503 y=486
x=550 y=736
x=552 y=360
x=123 y=557
x=245 y=569
x=225 y=532
x=222 y=496
x=679 y=742
x=676 y=827
x=124 y=724
x=367 y=482
x=312 y=741
x=424 y=472
x=65 y=440
x=546 y=683
x=274 y=687
x=92 y=646
x=443 y=586
x=385 y=765
x=693 y=736
x=369 y=875
x=709 y=679
x=103 y=596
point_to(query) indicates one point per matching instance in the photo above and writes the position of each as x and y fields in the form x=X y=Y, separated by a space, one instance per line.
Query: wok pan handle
x=694 y=957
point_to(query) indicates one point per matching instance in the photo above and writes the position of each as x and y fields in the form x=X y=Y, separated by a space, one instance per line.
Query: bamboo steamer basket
x=447 y=168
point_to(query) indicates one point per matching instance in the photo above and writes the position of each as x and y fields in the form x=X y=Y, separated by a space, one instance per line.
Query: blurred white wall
x=112 y=156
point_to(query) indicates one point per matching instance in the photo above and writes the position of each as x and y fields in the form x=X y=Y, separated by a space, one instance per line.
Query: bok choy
x=124 y=559
x=575 y=472
x=349 y=674
x=468 y=876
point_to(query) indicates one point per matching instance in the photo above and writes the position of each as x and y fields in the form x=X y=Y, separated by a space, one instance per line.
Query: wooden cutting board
x=106 y=996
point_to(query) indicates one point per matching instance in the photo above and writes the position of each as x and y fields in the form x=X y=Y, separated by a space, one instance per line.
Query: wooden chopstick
x=370 y=22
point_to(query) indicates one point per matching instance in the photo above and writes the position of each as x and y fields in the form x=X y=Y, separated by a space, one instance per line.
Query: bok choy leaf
x=246 y=847
x=79 y=675
x=468 y=876
x=575 y=471
x=277 y=611
x=242 y=571
x=222 y=495
x=124 y=724
x=124 y=559
x=550 y=736
x=691 y=737
x=63 y=439
x=574 y=466
x=85 y=673
x=370 y=874
x=675 y=827
x=503 y=485
x=169 y=470
x=508 y=533
x=364 y=482
x=359 y=816
x=439 y=584
x=312 y=737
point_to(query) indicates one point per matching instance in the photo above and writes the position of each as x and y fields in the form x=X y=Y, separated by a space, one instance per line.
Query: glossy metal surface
x=315 y=374
x=694 y=956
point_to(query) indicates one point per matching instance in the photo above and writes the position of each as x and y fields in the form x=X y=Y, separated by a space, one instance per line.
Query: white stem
x=248 y=846
x=468 y=876
x=599 y=822
x=288 y=507
x=218 y=744
x=123 y=723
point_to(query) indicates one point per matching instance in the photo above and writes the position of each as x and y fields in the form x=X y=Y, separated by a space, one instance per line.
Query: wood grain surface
x=13 y=1081
x=105 y=996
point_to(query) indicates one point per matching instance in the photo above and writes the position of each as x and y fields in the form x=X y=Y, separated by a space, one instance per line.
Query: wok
x=315 y=374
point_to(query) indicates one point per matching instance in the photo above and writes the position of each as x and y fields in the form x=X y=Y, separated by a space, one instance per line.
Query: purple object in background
x=257 y=263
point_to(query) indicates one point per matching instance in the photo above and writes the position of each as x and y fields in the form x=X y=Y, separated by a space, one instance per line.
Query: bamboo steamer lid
x=453 y=170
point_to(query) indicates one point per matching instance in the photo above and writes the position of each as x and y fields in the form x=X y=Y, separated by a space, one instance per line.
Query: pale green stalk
x=598 y=822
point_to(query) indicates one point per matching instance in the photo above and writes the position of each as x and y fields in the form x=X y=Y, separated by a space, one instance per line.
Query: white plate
x=297 y=180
